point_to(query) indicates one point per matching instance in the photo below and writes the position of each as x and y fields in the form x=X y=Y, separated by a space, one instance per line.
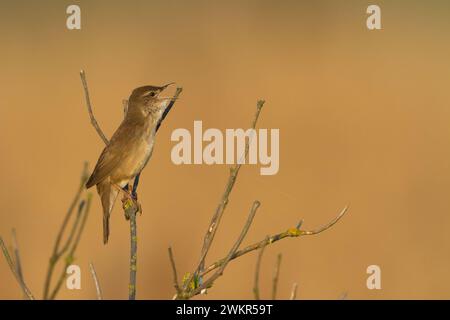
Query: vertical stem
x=276 y=275
x=133 y=257
x=257 y=270
x=294 y=291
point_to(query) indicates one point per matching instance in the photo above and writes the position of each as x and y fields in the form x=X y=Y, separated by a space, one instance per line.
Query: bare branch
x=169 y=107
x=98 y=289
x=58 y=252
x=208 y=283
x=215 y=221
x=290 y=233
x=294 y=291
x=13 y=268
x=276 y=275
x=70 y=257
x=174 y=271
x=257 y=270
x=130 y=209
x=193 y=283
x=89 y=108
x=133 y=252
x=327 y=226
x=75 y=201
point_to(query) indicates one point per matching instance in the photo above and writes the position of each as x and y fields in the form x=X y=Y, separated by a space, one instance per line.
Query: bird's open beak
x=162 y=89
x=165 y=86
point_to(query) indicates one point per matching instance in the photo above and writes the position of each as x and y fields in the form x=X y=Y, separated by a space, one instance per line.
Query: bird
x=129 y=149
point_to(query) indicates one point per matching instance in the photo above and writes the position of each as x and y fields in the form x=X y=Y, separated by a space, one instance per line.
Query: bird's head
x=147 y=101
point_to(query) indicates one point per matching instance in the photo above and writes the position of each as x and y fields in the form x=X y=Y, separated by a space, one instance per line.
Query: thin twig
x=13 y=268
x=17 y=260
x=215 y=221
x=133 y=254
x=290 y=233
x=70 y=257
x=208 y=283
x=174 y=271
x=169 y=107
x=130 y=209
x=327 y=226
x=294 y=291
x=89 y=108
x=276 y=276
x=98 y=289
x=257 y=270
x=57 y=251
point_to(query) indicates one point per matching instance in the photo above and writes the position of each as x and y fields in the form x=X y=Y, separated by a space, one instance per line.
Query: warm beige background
x=364 y=119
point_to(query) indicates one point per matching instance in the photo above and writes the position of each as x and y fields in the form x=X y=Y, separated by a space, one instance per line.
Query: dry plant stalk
x=68 y=248
x=130 y=208
x=276 y=276
x=257 y=271
x=15 y=267
x=290 y=233
x=194 y=283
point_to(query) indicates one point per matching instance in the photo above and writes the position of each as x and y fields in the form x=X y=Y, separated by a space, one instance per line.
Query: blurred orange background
x=363 y=118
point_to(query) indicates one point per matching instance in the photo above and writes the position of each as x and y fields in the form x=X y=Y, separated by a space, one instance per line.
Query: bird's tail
x=105 y=228
x=108 y=195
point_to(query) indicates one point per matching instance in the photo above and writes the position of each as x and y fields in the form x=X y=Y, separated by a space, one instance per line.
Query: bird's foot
x=131 y=206
x=130 y=203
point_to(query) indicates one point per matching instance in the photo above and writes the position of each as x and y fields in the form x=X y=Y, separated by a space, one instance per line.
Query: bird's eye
x=152 y=94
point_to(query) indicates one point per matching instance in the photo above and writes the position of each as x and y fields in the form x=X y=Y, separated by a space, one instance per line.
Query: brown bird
x=129 y=149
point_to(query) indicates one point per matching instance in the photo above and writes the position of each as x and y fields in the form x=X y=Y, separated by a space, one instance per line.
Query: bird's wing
x=111 y=157
x=107 y=162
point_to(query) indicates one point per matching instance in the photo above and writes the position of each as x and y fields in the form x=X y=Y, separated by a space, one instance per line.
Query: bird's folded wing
x=108 y=161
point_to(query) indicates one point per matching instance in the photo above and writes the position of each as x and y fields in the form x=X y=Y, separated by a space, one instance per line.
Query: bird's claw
x=130 y=201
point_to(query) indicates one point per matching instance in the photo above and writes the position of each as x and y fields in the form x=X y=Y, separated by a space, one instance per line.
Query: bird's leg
x=131 y=189
x=129 y=196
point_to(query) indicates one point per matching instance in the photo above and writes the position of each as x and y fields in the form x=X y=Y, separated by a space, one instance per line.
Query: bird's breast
x=145 y=151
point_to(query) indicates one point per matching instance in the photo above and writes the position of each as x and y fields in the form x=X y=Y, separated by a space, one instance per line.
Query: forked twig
x=73 y=238
x=290 y=233
x=215 y=221
x=72 y=247
x=13 y=268
x=208 y=283
x=193 y=283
